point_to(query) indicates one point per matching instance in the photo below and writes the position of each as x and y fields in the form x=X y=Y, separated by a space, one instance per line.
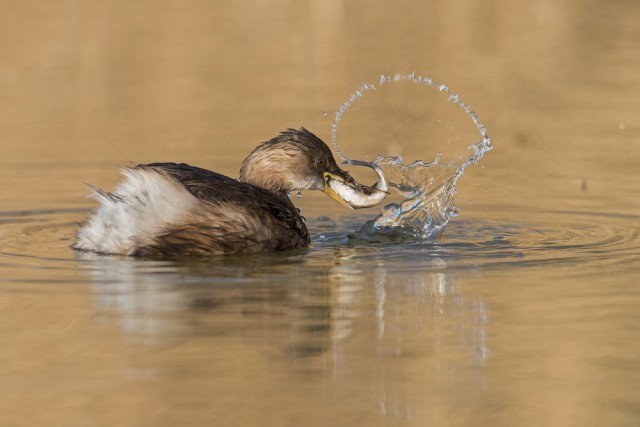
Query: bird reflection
x=352 y=323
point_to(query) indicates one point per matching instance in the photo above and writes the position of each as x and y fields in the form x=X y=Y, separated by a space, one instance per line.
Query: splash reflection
x=428 y=339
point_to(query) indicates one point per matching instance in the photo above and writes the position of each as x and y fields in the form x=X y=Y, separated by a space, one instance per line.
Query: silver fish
x=359 y=196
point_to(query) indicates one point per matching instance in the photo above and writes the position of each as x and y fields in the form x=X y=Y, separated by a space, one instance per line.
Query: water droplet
x=428 y=188
x=324 y=113
x=299 y=194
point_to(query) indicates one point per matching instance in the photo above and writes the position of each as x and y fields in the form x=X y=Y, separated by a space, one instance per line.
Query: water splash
x=427 y=188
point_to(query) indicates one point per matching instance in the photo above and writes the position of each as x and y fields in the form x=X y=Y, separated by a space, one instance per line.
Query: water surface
x=523 y=312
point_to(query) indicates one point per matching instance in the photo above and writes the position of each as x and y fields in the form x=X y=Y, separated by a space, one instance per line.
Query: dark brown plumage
x=170 y=209
x=233 y=217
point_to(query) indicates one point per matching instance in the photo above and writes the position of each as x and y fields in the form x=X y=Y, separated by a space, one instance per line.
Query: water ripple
x=37 y=252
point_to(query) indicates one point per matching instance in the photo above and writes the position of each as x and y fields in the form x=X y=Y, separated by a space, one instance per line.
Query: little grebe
x=169 y=209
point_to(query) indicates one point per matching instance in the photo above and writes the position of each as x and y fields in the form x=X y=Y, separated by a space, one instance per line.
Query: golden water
x=524 y=312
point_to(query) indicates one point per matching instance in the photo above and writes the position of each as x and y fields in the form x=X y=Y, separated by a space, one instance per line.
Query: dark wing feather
x=206 y=185
x=227 y=234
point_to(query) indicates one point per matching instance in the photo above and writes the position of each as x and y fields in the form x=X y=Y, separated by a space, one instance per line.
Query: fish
x=358 y=196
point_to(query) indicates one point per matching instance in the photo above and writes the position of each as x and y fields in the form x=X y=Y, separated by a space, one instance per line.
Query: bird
x=175 y=209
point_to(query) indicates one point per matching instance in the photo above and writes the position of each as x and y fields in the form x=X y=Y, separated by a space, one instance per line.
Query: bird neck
x=266 y=168
x=269 y=182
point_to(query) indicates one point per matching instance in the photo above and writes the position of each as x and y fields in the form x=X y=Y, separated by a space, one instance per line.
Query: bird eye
x=321 y=163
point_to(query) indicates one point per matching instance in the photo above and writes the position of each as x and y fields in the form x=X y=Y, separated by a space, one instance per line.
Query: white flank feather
x=145 y=202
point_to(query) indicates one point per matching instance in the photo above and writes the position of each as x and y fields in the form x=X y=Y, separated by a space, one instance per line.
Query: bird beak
x=328 y=176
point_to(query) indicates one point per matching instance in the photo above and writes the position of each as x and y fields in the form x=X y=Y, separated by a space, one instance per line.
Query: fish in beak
x=346 y=191
x=334 y=177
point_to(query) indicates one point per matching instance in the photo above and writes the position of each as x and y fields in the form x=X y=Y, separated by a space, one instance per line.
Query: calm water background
x=526 y=312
